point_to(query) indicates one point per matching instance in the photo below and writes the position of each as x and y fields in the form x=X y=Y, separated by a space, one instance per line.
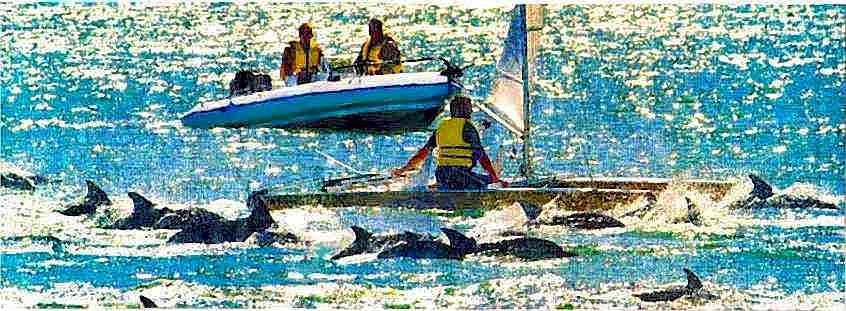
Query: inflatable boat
x=404 y=101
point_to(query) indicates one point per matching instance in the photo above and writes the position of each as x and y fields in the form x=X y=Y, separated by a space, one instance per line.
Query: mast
x=532 y=23
x=527 y=112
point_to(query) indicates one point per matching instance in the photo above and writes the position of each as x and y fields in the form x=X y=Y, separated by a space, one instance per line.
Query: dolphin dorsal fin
x=693 y=282
x=95 y=194
x=146 y=302
x=531 y=211
x=139 y=202
x=260 y=218
x=689 y=203
x=361 y=235
x=459 y=240
x=760 y=188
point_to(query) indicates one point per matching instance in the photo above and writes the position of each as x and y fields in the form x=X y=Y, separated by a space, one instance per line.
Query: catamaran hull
x=581 y=195
x=569 y=199
x=390 y=102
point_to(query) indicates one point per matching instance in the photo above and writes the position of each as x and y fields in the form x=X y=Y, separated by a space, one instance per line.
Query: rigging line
x=339 y=163
x=296 y=183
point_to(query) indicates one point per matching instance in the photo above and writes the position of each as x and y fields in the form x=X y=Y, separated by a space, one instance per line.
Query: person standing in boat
x=302 y=59
x=459 y=149
x=379 y=55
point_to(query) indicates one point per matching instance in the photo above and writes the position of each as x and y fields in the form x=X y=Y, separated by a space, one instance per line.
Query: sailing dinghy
x=394 y=102
x=508 y=104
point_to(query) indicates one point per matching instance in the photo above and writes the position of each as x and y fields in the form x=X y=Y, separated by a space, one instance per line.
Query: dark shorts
x=459 y=178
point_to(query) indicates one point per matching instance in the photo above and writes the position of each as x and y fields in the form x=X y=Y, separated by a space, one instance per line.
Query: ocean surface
x=95 y=92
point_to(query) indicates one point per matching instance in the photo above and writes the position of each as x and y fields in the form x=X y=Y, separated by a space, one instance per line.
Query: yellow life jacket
x=300 y=57
x=373 y=56
x=452 y=149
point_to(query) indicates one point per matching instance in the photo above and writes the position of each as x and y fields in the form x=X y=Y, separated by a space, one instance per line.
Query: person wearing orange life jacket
x=302 y=59
x=459 y=149
x=379 y=55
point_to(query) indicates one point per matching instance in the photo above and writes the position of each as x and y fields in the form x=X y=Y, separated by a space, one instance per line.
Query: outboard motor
x=262 y=83
x=242 y=84
x=246 y=82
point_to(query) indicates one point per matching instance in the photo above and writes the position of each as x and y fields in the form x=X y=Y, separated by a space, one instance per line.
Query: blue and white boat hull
x=386 y=102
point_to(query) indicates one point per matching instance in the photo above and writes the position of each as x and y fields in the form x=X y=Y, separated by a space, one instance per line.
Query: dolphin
x=38 y=179
x=210 y=228
x=762 y=196
x=527 y=248
x=187 y=218
x=760 y=188
x=21 y=180
x=692 y=289
x=144 y=215
x=266 y=238
x=459 y=247
x=581 y=220
x=17 y=182
x=146 y=302
x=798 y=202
x=693 y=214
x=96 y=197
x=757 y=197
x=195 y=217
x=366 y=242
x=587 y=221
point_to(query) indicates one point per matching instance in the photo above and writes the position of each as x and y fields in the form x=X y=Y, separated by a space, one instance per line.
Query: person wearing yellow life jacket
x=458 y=150
x=302 y=59
x=379 y=55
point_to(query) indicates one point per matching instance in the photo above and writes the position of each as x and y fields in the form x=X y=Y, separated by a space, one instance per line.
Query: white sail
x=505 y=103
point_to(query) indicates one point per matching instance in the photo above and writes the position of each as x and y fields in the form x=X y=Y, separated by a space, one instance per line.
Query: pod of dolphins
x=197 y=225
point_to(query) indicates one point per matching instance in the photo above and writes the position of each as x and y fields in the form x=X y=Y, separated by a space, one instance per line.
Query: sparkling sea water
x=95 y=91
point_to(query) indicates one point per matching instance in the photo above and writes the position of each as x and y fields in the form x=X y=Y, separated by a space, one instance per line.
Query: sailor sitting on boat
x=379 y=55
x=302 y=59
x=459 y=149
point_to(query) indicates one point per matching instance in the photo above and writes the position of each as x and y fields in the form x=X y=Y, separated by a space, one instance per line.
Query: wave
x=547 y=291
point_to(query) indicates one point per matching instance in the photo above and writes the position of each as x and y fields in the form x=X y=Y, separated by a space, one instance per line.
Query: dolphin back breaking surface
x=763 y=195
x=693 y=289
x=95 y=198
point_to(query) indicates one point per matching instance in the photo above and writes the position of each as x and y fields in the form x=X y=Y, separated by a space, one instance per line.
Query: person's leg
x=451 y=178
x=458 y=178
x=444 y=178
x=478 y=181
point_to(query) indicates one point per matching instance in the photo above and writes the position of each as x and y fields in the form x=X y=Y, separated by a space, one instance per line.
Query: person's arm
x=471 y=136
x=285 y=68
x=282 y=65
x=360 y=68
x=324 y=65
x=486 y=164
x=389 y=52
x=418 y=157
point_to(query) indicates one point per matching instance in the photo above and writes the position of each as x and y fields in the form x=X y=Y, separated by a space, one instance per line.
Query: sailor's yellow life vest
x=373 y=56
x=452 y=149
x=300 y=57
